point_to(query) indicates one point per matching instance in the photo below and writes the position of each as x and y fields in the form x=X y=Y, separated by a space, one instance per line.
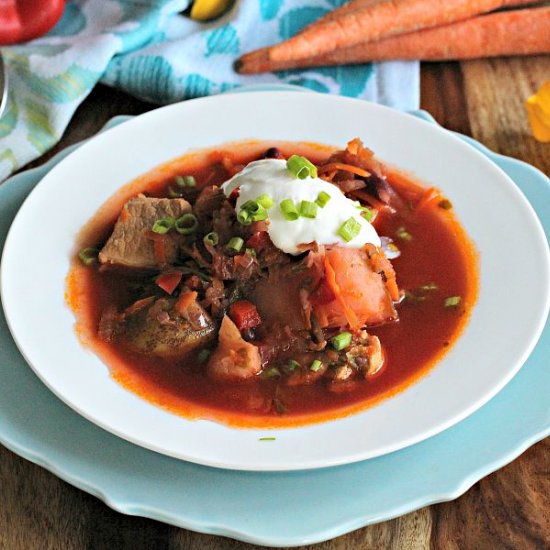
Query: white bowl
x=504 y=327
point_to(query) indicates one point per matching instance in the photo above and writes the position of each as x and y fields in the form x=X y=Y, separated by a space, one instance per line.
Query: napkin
x=152 y=51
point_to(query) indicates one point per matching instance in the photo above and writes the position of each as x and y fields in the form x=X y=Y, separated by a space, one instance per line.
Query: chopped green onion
x=244 y=217
x=341 y=341
x=412 y=297
x=452 y=301
x=163 y=225
x=367 y=213
x=186 y=181
x=393 y=247
x=349 y=229
x=273 y=372
x=211 y=238
x=88 y=256
x=173 y=194
x=289 y=210
x=187 y=224
x=446 y=204
x=429 y=286
x=316 y=365
x=308 y=209
x=251 y=211
x=322 y=199
x=265 y=200
x=301 y=168
x=203 y=355
x=235 y=244
x=292 y=365
x=403 y=235
x=280 y=407
x=267 y=438
x=250 y=252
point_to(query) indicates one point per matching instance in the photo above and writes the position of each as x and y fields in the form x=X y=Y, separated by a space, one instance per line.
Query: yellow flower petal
x=538 y=111
x=203 y=10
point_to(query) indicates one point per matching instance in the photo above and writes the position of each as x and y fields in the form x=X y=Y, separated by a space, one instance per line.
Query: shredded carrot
x=159 y=248
x=124 y=214
x=342 y=166
x=140 y=304
x=184 y=301
x=373 y=201
x=331 y=280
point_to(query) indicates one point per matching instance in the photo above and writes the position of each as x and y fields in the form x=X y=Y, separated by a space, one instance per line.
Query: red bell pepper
x=22 y=20
x=244 y=314
x=169 y=281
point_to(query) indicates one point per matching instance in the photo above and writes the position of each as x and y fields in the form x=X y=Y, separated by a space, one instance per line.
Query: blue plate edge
x=222 y=530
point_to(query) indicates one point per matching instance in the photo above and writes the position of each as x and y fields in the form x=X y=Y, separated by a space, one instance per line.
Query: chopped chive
x=341 y=341
x=267 y=438
x=349 y=229
x=203 y=355
x=186 y=181
x=292 y=365
x=452 y=301
x=315 y=365
x=301 y=168
x=163 y=225
x=273 y=372
x=265 y=200
x=250 y=252
x=322 y=199
x=186 y=224
x=289 y=210
x=235 y=244
x=308 y=209
x=173 y=194
x=446 y=204
x=403 y=235
x=211 y=238
x=88 y=255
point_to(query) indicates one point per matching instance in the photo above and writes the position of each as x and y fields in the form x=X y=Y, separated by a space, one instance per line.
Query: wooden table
x=508 y=509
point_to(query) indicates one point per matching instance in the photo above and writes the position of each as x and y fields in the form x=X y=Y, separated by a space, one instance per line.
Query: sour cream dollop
x=272 y=177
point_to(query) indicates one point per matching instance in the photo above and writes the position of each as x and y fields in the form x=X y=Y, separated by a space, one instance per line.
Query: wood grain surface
x=509 y=509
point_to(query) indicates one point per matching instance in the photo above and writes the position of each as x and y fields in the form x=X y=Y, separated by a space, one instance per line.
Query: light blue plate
x=302 y=507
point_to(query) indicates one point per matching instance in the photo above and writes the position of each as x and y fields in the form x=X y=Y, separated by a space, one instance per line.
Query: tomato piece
x=244 y=314
x=169 y=281
x=258 y=241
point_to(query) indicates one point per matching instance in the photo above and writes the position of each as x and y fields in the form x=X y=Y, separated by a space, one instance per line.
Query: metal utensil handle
x=3 y=85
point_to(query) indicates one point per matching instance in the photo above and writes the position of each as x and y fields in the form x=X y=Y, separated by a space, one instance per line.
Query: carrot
x=184 y=301
x=516 y=32
x=334 y=287
x=345 y=167
x=381 y=20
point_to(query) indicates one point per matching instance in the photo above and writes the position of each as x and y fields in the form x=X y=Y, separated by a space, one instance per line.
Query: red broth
x=438 y=255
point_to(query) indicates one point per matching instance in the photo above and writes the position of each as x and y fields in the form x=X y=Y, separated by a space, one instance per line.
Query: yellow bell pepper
x=538 y=111
x=204 y=10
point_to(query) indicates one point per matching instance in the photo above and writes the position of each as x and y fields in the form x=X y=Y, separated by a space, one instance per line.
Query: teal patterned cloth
x=150 y=50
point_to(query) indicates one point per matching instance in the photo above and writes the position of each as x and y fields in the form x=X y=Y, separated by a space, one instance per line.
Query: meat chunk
x=159 y=329
x=234 y=359
x=132 y=243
